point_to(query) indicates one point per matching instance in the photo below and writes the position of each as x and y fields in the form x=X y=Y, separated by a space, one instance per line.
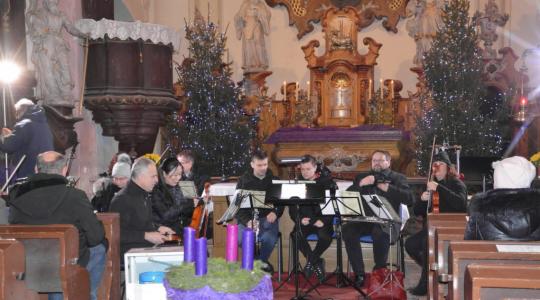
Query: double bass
x=199 y=220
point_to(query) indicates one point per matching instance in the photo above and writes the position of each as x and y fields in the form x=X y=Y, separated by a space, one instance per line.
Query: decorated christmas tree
x=214 y=125
x=455 y=106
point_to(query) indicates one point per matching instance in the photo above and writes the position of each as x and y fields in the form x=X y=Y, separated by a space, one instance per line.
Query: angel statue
x=252 y=23
x=50 y=51
x=423 y=26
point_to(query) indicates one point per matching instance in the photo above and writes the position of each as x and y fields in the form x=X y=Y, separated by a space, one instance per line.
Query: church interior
x=333 y=82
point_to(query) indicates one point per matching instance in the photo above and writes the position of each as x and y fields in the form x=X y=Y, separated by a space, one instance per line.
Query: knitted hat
x=514 y=172
x=442 y=157
x=124 y=158
x=121 y=169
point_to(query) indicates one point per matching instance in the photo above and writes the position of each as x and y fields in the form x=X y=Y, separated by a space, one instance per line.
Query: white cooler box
x=142 y=260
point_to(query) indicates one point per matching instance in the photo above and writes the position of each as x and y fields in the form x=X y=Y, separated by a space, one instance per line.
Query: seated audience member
x=134 y=204
x=312 y=220
x=105 y=188
x=259 y=178
x=45 y=198
x=394 y=187
x=169 y=206
x=511 y=211
x=452 y=199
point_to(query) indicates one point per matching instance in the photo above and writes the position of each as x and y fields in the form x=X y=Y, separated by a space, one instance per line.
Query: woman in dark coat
x=169 y=206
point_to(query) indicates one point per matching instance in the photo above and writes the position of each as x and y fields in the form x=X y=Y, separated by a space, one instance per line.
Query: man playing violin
x=445 y=193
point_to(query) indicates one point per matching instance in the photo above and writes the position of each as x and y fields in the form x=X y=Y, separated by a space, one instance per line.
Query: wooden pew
x=496 y=281
x=443 y=237
x=435 y=221
x=51 y=253
x=464 y=253
x=109 y=288
x=12 y=284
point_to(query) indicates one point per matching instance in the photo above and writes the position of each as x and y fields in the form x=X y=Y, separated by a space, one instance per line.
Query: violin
x=199 y=220
x=434 y=195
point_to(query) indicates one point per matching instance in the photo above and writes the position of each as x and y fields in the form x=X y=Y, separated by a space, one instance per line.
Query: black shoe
x=268 y=268
x=420 y=289
x=359 y=281
x=308 y=269
x=319 y=270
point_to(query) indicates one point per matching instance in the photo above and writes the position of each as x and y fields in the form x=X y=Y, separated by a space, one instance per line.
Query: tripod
x=341 y=279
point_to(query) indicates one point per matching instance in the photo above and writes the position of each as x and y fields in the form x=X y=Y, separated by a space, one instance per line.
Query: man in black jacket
x=312 y=220
x=191 y=173
x=259 y=178
x=134 y=204
x=389 y=184
x=45 y=198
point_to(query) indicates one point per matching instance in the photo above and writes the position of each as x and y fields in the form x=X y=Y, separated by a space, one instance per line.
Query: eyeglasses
x=378 y=160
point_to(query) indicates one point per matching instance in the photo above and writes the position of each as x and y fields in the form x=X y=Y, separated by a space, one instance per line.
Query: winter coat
x=104 y=195
x=135 y=208
x=505 y=214
x=31 y=136
x=170 y=208
x=46 y=199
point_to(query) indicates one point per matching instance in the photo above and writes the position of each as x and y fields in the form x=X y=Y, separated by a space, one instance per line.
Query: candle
x=285 y=89
x=232 y=243
x=189 y=244
x=297 y=85
x=381 y=82
x=308 y=91
x=369 y=89
x=391 y=89
x=201 y=266
x=248 y=249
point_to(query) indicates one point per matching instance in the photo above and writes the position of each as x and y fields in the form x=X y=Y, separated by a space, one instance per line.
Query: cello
x=199 y=219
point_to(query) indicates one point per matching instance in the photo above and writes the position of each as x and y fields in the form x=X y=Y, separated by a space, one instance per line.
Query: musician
x=389 y=184
x=312 y=220
x=191 y=172
x=169 y=206
x=45 y=198
x=134 y=204
x=30 y=136
x=259 y=178
x=452 y=198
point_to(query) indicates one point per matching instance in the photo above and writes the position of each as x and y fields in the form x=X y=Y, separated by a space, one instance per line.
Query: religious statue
x=424 y=25
x=252 y=23
x=50 y=51
x=488 y=23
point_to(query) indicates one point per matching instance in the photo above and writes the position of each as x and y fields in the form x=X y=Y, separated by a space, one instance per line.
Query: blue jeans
x=268 y=236
x=95 y=267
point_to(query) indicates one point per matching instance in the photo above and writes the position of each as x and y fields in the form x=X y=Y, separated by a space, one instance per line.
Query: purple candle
x=201 y=266
x=189 y=244
x=248 y=249
x=232 y=243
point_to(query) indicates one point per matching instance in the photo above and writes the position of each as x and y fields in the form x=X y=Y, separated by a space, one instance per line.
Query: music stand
x=339 y=205
x=313 y=195
x=384 y=210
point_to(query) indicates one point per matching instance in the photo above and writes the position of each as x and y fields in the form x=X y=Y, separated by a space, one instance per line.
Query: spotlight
x=9 y=72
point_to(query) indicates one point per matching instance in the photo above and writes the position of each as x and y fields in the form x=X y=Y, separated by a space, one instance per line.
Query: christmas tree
x=214 y=126
x=455 y=107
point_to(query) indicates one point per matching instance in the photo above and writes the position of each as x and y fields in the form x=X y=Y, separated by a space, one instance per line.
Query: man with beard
x=386 y=183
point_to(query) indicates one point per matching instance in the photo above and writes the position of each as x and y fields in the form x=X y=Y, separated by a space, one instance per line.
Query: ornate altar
x=342 y=77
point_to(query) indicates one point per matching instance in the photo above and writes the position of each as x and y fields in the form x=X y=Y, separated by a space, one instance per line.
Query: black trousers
x=416 y=246
x=352 y=232
x=324 y=240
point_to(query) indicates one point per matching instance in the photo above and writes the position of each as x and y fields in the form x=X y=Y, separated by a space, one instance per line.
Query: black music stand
x=314 y=196
x=341 y=279
x=384 y=210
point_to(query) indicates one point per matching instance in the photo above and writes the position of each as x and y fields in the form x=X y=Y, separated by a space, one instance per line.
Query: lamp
x=9 y=72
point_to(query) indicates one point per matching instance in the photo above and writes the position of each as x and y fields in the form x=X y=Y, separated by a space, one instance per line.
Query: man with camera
x=386 y=183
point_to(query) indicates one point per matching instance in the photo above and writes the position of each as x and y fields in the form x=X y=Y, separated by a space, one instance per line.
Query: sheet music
x=293 y=190
x=347 y=205
x=258 y=198
x=188 y=189
x=292 y=181
x=385 y=211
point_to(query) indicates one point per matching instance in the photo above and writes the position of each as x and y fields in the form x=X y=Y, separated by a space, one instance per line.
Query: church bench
x=463 y=253
x=435 y=222
x=51 y=253
x=109 y=288
x=497 y=281
x=442 y=238
x=12 y=284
